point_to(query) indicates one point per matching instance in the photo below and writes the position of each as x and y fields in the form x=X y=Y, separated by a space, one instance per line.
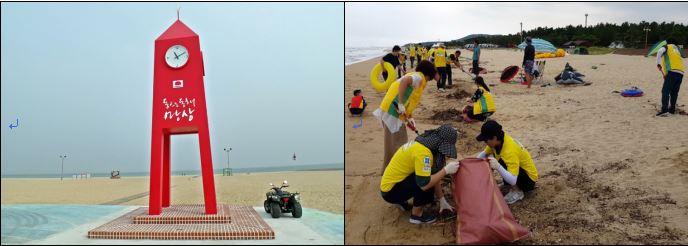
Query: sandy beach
x=610 y=171
x=319 y=189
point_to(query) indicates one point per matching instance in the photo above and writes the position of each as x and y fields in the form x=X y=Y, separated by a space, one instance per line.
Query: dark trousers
x=443 y=77
x=672 y=83
x=407 y=189
x=357 y=111
x=412 y=58
x=476 y=68
x=449 y=75
x=523 y=182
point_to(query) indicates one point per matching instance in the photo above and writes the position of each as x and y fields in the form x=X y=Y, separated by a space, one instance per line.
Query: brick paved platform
x=245 y=224
x=186 y=214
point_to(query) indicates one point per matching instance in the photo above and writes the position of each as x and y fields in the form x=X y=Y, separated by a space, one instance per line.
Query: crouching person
x=510 y=159
x=409 y=173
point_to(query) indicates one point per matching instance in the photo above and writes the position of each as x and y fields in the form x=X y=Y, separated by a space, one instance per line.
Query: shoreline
x=319 y=189
x=175 y=173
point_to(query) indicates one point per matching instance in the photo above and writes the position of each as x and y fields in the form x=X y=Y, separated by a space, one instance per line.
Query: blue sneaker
x=427 y=219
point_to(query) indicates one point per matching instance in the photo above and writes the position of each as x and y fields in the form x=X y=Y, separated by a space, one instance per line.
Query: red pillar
x=207 y=171
x=154 y=206
x=166 y=171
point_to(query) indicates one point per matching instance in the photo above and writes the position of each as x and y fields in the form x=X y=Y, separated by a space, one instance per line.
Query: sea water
x=358 y=54
x=312 y=167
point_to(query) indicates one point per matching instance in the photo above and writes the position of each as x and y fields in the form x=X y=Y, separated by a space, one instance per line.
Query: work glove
x=412 y=122
x=401 y=109
x=445 y=205
x=494 y=164
x=451 y=167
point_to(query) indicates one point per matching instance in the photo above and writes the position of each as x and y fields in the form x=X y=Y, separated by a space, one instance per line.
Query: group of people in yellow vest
x=414 y=169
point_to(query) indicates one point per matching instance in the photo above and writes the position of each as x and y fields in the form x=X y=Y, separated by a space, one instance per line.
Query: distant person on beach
x=476 y=57
x=397 y=108
x=510 y=159
x=439 y=56
x=449 y=70
x=392 y=58
x=456 y=61
x=419 y=51
x=412 y=54
x=483 y=104
x=402 y=59
x=416 y=171
x=529 y=60
x=670 y=63
x=358 y=103
x=424 y=56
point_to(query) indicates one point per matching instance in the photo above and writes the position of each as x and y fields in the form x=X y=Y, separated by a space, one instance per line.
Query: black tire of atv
x=296 y=212
x=266 y=205
x=275 y=210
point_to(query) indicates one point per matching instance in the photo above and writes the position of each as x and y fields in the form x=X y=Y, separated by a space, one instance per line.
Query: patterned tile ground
x=246 y=224
x=186 y=214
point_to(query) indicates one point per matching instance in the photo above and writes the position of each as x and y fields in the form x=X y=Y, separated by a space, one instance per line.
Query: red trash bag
x=483 y=215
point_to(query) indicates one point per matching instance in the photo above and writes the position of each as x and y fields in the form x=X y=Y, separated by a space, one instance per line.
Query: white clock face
x=176 y=56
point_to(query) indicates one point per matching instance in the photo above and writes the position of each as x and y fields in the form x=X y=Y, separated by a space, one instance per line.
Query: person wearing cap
x=431 y=51
x=529 y=60
x=392 y=58
x=670 y=63
x=416 y=171
x=439 y=56
x=397 y=108
x=510 y=159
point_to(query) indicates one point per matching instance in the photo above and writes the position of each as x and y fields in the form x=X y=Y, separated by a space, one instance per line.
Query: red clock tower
x=178 y=108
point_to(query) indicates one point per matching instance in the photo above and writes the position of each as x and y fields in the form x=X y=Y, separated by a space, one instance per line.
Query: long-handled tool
x=408 y=123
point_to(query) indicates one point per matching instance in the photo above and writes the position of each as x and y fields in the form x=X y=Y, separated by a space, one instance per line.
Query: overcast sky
x=387 y=24
x=79 y=77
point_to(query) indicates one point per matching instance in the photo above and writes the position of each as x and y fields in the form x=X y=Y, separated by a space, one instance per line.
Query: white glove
x=413 y=122
x=451 y=167
x=401 y=109
x=444 y=205
x=494 y=164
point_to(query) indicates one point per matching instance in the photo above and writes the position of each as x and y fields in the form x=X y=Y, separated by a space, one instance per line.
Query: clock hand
x=175 y=55
x=182 y=53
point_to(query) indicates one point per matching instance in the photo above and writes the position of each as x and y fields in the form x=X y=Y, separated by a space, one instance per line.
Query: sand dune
x=610 y=171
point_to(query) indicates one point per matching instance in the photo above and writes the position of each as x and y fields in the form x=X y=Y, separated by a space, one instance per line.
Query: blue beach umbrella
x=540 y=45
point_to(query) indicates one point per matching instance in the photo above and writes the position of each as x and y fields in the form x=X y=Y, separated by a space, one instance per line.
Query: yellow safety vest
x=440 y=58
x=413 y=51
x=672 y=60
x=485 y=104
x=411 y=97
x=516 y=157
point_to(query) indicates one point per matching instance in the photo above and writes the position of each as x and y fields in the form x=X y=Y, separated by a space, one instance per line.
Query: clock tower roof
x=177 y=30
